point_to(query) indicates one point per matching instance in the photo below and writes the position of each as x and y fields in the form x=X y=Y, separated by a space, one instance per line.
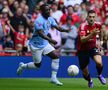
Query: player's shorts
x=37 y=53
x=84 y=57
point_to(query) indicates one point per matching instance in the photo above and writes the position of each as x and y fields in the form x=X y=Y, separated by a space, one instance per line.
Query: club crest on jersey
x=48 y=23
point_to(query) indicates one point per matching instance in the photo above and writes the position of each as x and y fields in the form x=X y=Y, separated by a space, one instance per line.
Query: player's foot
x=20 y=68
x=90 y=84
x=56 y=81
x=102 y=79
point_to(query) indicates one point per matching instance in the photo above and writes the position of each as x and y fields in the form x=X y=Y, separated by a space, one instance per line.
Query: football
x=73 y=70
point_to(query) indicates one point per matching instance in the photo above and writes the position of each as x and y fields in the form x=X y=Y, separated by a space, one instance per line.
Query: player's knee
x=37 y=64
x=55 y=56
x=99 y=65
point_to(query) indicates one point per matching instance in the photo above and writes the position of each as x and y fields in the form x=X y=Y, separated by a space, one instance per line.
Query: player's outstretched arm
x=61 y=29
x=41 y=34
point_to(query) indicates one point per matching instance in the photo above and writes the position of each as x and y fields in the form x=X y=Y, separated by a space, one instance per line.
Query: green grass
x=43 y=84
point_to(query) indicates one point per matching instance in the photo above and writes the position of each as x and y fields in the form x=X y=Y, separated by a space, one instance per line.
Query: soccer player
x=87 y=47
x=39 y=44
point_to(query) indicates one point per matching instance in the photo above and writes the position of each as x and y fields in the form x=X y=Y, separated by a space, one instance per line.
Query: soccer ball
x=73 y=70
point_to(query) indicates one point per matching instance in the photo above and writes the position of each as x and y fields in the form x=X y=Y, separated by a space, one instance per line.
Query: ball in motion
x=73 y=70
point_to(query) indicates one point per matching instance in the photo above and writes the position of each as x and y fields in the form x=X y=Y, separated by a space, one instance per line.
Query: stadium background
x=38 y=79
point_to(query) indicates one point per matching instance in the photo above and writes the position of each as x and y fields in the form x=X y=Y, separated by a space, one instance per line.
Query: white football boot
x=56 y=81
x=20 y=68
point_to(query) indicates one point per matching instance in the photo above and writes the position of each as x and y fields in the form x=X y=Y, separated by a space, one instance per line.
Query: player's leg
x=99 y=67
x=49 y=51
x=83 y=63
x=87 y=77
x=37 y=56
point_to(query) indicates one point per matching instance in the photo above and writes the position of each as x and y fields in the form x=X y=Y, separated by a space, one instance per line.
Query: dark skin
x=46 y=13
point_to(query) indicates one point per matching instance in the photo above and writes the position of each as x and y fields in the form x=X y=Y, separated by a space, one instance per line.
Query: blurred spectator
x=19 y=36
x=1 y=6
x=72 y=2
x=11 y=2
x=26 y=14
x=62 y=7
x=105 y=37
x=5 y=18
x=24 y=1
x=83 y=7
x=32 y=4
x=77 y=9
x=19 y=50
x=36 y=12
x=22 y=5
x=14 y=6
x=7 y=7
x=8 y=43
x=19 y=19
x=56 y=14
x=70 y=38
x=70 y=12
x=104 y=9
x=1 y=31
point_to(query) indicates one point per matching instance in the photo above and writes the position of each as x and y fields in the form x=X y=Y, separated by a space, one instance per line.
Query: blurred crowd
x=17 y=23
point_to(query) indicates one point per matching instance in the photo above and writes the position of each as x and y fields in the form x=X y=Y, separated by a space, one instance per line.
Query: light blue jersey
x=41 y=24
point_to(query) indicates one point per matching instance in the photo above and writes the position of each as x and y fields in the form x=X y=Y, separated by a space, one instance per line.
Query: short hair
x=42 y=7
x=69 y=6
x=91 y=11
x=55 y=3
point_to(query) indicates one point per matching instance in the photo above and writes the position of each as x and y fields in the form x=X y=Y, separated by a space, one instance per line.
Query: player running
x=39 y=44
x=87 y=47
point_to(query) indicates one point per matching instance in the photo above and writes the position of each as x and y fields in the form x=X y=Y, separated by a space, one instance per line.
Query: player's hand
x=95 y=31
x=66 y=30
x=53 y=42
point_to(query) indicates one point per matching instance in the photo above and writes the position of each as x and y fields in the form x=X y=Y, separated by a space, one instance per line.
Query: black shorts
x=84 y=57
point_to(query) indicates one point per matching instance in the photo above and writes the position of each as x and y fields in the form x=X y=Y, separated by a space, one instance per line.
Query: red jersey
x=85 y=30
x=20 y=38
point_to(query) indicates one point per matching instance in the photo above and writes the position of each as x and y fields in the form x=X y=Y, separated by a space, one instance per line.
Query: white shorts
x=38 y=52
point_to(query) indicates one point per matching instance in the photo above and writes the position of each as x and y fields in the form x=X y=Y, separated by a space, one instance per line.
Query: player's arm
x=61 y=29
x=41 y=34
x=91 y=35
x=55 y=25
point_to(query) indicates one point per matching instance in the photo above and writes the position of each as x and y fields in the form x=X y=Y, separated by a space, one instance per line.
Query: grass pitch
x=44 y=84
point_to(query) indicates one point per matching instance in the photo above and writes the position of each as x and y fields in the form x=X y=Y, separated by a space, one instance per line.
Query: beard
x=46 y=15
x=91 y=22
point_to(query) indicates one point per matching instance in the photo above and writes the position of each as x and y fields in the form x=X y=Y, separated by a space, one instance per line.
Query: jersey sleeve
x=53 y=22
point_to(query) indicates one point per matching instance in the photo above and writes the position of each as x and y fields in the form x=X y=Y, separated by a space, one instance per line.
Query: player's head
x=91 y=17
x=45 y=10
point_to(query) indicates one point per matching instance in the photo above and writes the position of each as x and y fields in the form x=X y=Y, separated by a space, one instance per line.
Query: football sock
x=88 y=78
x=29 y=65
x=99 y=69
x=54 y=66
